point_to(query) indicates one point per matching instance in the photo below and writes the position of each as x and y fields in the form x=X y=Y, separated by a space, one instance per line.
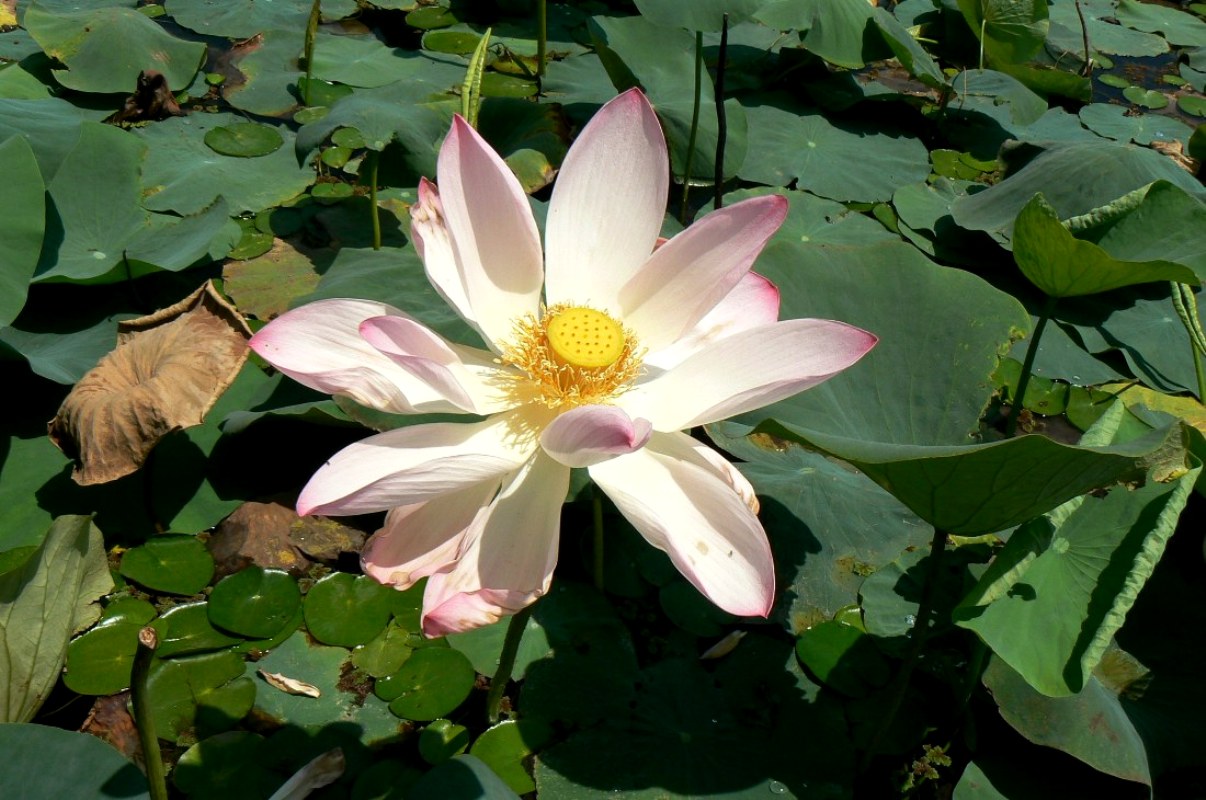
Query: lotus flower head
x=603 y=347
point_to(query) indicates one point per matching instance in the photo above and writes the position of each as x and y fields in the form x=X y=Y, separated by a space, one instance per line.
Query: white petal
x=319 y=345
x=424 y=538
x=752 y=302
x=464 y=376
x=417 y=463
x=434 y=245
x=509 y=555
x=589 y=434
x=684 y=509
x=607 y=204
x=687 y=277
x=747 y=370
x=493 y=232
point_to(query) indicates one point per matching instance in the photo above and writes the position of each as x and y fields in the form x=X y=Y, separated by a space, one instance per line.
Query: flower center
x=583 y=337
x=573 y=355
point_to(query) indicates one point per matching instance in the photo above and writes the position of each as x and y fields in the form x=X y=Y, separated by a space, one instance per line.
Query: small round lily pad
x=1148 y=98
x=332 y=191
x=244 y=139
x=255 y=602
x=187 y=629
x=227 y=765
x=441 y=740
x=432 y=682
x=1192 y=104
x=172 y=563
x=508 y=746
x=1117 y=81
x=347 y=609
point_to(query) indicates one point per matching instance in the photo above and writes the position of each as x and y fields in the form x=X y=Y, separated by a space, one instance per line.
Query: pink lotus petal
x=685 y=279
x=681 y=507
x=319 y=345
x=747 y=370
x=752 y=302
x=435 y=362
x=415 y=464
x=490 y=223
x=509 y=553
x=590 y=434
x=424 y=538
x=607 y=204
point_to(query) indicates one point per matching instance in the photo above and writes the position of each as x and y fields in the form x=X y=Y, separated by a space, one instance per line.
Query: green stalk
x=148 y=640
x=542 y=39
x=1011 y=424
x=373 y=159
x=722 y=128
x=311 y=35
x=597 y=516
x=682 y=214
x=921 y=632
x=506 y=663
x=1187 y=309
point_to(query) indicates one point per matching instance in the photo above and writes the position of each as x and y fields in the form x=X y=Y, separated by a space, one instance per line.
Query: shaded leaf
x=23 y=210
x=51 y=762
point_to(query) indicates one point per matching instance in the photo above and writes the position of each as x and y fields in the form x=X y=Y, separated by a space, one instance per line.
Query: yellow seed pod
x=584 y=337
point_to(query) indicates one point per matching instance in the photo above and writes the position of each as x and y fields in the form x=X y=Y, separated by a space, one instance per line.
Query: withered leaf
x=167 y=371
x=290 y=685
x=152 y=100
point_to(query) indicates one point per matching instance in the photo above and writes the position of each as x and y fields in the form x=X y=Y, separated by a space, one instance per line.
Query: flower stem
x=921 y=632
x=722 y=128
x=506 y=662
x=373 y=160
x=682 y=214
x=1011 y=424
x=148 y=640
x=597 y=517
x=542 y=36
x=1187 y=309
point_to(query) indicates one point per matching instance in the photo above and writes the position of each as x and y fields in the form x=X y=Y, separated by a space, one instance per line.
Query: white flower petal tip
x=592 y=434
x=683 y=281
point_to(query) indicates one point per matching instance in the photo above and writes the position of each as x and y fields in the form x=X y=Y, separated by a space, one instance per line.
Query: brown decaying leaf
x=167 y=371
x=110 y=721
x=290 y=685
x=271 y=535
x=152 y=101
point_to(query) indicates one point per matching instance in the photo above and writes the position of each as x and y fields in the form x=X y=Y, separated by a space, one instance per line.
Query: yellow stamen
x=572 y=356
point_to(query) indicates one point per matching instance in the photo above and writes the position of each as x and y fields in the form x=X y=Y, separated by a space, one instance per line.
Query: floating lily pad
x=186 y=629
x=347 y=609
x=508 y=747
x=342 y=698
x=254 y=602
x=1120 y=123
x=229 y=765
x=207 y=692
x=52 y=762
x=441 y=740
x=384 y=654
x=1148 y=98
x=100 y=660
x=843 y=658
x=432 y=683
x=1192 y=104
x=172 y=564
x=244 y=140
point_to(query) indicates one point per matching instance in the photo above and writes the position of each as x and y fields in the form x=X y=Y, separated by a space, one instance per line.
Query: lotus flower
x=603 y=348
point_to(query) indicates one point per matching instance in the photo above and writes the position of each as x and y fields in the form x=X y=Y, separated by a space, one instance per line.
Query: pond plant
x=844 y=359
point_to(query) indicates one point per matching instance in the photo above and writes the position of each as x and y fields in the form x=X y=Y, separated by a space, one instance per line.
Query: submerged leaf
x=167 y=371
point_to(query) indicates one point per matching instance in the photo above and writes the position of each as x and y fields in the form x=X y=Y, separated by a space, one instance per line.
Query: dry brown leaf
x=290 y=685
x=167 y=371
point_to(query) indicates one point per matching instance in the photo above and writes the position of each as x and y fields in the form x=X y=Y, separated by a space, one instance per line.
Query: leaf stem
x=506 y=662
x=542 y=37
x=682 y=213
x=722 y=129
x=1011 y=423
x=374 y=158
x=597 y=518
x=311 y=35
x=921 y=633
x=148 y=640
